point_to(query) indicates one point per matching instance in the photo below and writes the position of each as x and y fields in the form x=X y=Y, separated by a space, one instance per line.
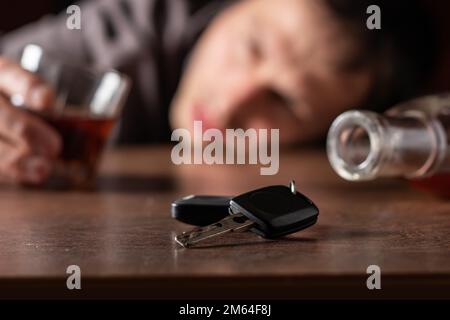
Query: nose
x=242 y=97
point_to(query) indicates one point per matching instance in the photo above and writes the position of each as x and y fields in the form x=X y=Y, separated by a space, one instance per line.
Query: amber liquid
x=438 y=185
x=83 y=140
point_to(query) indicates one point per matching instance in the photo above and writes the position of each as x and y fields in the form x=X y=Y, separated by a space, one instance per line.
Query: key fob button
x=277 y=203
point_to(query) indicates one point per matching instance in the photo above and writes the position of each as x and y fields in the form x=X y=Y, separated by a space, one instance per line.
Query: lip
x=199 y=114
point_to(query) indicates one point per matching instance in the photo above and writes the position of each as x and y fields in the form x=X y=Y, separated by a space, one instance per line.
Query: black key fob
x=276 y=210
x=201 y=210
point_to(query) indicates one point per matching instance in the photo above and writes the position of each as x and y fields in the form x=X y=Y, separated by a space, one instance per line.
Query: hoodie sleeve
x=147 y=39
x=112 y=33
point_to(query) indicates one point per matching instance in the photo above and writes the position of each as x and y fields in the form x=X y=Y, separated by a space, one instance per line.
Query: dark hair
x=402 y=53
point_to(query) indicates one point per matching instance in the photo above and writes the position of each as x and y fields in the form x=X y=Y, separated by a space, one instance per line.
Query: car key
x=201 y=210
x=270 y=212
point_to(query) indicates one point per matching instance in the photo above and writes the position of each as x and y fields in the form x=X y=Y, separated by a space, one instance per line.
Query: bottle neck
x=363 y=145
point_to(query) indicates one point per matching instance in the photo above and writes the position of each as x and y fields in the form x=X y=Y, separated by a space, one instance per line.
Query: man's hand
x=28 y=146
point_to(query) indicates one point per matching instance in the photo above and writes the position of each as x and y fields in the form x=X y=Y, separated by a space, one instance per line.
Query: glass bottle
x=411 y=140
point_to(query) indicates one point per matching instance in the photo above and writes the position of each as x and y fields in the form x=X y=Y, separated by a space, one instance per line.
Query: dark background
x=19 y=12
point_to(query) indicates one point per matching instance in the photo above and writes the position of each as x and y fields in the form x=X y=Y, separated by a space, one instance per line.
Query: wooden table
x=121 y=236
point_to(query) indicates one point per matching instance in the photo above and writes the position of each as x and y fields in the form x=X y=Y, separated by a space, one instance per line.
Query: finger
x=18 y=167
x=25 y=87
x=27 y=132
x=34 y=170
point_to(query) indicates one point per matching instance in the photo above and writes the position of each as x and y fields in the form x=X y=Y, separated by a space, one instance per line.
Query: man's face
x=272 y=65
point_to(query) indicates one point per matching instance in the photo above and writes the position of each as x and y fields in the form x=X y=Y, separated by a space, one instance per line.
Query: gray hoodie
x=147 y=39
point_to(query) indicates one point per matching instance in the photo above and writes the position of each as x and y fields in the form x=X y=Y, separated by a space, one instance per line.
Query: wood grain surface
x=121 y=236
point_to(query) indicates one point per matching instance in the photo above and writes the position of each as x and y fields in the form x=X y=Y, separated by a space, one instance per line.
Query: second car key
x=270 y=212
x=201 y=210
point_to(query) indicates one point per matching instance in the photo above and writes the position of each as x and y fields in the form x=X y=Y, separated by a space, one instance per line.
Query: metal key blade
x=235 y=222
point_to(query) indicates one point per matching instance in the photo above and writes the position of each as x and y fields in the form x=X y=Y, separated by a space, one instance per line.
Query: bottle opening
x=353 y=145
